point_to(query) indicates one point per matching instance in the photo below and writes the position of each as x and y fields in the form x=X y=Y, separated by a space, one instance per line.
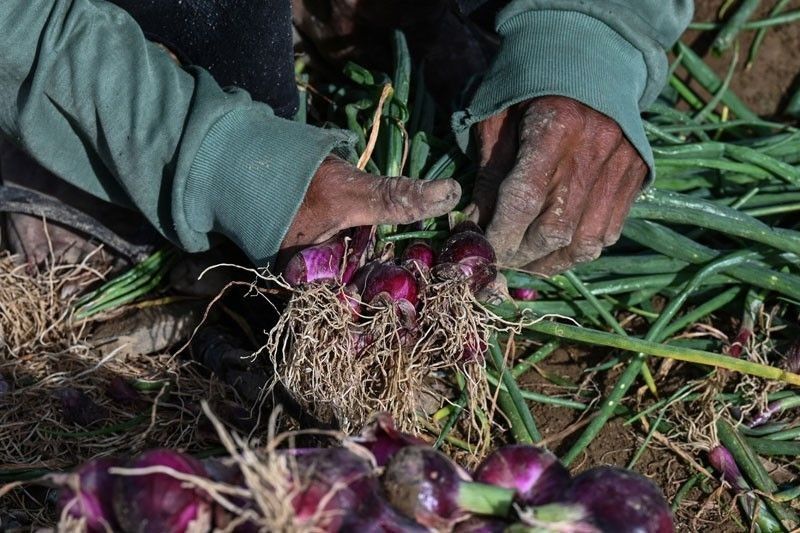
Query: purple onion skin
x=327 y=483
x=423 y=484
x=93 y=499
x=476 y=270
x=524 y=295
x=722 y=460
x=222 y=472
x=322 y=262
x=406 y=320
x=332 y=480
x=467 y=254
x=621 y=501
x=396 y=282
x=479 y=272
x=474 y=348
x=421 y=253
x=360 y=240
x=741 y=340
x=481 y=525
x=377 y=516
x=350 y=298
x=772 y=409
x=466 y=244
x=383 y=439
x=229 y=474
x=534 y=473
x=154 y=503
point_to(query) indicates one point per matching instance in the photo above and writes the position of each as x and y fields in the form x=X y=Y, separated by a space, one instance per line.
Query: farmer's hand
x=556 y=181
x=340 y=196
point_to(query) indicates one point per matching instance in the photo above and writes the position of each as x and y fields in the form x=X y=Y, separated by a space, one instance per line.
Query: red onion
x=722 y=460
x=420 y=254
x=322 y=262
x=406 y=319
x=376 y=516
x=229 y=473
x=524 y=294
x=621 y=501
x=773 y=408
x=425 y=485
x=92 y=501
x=474 y=348
x=393 y=281
x=361 y=340
x=159 y=502
x=350 y=297
x=467 y=255
x=360 y=240
x=476 y=271
x=383 y=440
x=534 y=473
x=464 y=245
x=737 y=346
x=753 y=306
x=222 y=471
x=332 y=482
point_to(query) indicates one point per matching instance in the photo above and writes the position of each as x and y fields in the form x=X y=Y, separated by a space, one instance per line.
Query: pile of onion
x=364 y=331
x=381 y=481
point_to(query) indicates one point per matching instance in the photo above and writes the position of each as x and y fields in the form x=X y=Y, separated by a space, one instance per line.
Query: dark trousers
x=246 y=43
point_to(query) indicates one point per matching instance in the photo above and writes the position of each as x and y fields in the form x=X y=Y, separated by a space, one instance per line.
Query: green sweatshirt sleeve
x=607 y=54
x=90 y=99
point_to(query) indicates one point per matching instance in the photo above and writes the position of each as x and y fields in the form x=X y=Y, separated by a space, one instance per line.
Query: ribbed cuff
x=250 y=175
x=562 y=53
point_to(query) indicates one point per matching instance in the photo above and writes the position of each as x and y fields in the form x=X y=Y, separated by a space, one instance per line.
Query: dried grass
x=44 y=352
x=271 y=481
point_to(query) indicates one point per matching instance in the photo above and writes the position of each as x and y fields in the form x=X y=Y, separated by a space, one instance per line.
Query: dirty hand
x=340 y=196
x=556 y=181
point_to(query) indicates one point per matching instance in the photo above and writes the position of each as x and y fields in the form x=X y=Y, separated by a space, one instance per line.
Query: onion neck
x=484 y=499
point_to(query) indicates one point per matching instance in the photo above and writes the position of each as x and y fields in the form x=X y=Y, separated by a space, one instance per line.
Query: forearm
x=608 y=54
x=88 y=97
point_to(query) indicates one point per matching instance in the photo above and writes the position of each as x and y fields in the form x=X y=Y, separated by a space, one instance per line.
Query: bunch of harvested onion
x=382 y=480
x=364 y=334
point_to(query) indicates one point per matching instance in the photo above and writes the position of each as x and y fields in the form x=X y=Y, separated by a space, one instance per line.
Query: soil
x=773 y=76
x=618 y=443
